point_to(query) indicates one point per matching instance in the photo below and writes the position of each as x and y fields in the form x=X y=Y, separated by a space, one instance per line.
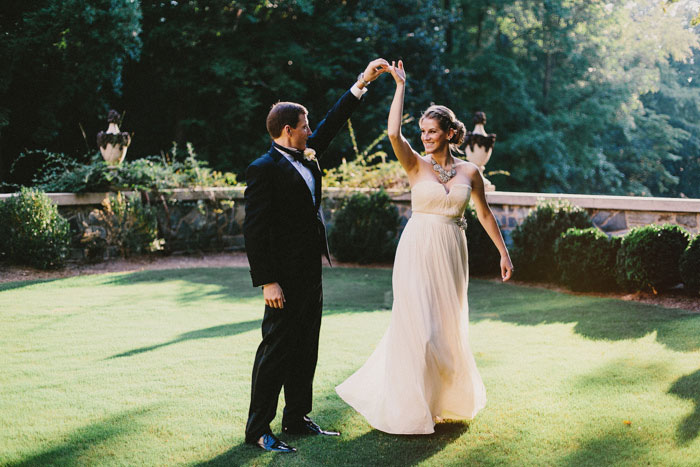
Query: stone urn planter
x=479 y=146
x=113 y=143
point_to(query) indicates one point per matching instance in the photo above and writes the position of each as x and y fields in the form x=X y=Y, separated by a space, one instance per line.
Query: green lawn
x=153 y=368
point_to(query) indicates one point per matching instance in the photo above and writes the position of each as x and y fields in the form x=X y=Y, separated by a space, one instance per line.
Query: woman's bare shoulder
x=466 y=166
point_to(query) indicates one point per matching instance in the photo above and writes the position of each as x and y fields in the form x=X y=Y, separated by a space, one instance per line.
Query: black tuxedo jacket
x=284 y=237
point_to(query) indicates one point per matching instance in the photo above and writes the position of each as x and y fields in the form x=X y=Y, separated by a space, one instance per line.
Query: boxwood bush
x=364 y=229
x=32 y=231
x=690 y=265
x=586 y=259
x=649 y=256
x=484 y=258
x=534 y=238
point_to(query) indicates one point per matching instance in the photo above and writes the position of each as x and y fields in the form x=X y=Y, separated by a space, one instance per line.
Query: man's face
x=300 y=134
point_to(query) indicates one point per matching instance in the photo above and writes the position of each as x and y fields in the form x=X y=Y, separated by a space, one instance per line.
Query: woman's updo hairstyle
x=479 y=118
x=447 y=121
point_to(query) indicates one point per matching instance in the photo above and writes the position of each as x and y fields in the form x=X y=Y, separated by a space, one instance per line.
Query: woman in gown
x=423 y=370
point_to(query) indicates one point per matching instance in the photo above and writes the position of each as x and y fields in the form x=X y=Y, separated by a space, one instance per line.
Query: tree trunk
x=480 y=28
x=546 y=83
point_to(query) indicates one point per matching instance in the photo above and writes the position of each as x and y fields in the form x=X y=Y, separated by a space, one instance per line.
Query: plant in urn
x=479 y=146
x=113 y=143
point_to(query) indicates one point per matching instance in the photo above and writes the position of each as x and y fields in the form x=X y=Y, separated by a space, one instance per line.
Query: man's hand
x=374 y=69
x=274 y=297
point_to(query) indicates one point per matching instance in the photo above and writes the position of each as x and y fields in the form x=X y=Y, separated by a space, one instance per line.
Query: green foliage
x=63 y=65
x=484 y=258
x=690 y=265
x=534 y=238
x=368 y=169
x=584 y=96
x=32 y=231
x=585 y=259
x=63 y=174
x=649 y=256
x=128 y=223
x=364 y=229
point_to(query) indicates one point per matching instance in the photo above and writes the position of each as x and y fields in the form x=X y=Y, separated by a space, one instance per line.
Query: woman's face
x=433 y=137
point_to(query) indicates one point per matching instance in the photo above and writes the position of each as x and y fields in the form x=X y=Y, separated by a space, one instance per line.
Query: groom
x=285 y=238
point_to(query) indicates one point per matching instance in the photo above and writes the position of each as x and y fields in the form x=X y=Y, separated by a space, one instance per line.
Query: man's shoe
x=269 y=442
x=307 y=427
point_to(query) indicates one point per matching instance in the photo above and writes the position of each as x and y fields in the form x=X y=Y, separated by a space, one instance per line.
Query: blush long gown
x=423 y=368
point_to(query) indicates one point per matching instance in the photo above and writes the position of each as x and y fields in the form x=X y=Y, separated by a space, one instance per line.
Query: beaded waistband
x=460 y=222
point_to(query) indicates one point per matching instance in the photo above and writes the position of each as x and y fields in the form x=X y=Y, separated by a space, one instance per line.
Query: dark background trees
x=585 y=95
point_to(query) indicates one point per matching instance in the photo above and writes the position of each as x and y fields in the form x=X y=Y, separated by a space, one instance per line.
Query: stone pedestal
x=479 y=146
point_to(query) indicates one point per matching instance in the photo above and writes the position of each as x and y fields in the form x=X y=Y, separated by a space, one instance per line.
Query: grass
x=153 y=368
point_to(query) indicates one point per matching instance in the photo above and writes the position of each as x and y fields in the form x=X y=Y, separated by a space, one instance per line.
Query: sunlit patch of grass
x=153 y=368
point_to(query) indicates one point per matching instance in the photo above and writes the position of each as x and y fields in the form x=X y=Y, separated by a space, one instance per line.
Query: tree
x=62 y=67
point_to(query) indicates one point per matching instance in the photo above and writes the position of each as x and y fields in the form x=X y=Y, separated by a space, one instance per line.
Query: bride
x=423 y=370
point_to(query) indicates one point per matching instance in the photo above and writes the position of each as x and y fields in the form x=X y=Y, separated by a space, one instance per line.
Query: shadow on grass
x=367 y=290
x=627 y=373
x=688 y=387
x=616 y=446
x=367 y=287
x=18 y=285
x=76 y=447
x=371 y=448
x=595 y=318
x=232 y=283
x=224 y=330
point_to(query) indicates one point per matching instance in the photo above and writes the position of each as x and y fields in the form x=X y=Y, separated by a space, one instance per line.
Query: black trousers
x=286 y=358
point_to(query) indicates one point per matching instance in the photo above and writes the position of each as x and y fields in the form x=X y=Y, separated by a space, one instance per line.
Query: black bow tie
x=297 y=154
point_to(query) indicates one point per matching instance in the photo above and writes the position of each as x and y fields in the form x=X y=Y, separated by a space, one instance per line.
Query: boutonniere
x=309 y=154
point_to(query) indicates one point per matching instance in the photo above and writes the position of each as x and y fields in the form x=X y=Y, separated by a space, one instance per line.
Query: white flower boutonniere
x=309 y=154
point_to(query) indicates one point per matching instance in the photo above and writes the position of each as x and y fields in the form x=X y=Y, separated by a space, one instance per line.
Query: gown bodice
x=431 y=197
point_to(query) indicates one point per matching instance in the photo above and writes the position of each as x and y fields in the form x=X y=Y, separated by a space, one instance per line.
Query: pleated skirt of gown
x=423 y=367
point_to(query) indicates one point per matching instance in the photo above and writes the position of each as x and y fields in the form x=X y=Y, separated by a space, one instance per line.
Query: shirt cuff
x=357 y=92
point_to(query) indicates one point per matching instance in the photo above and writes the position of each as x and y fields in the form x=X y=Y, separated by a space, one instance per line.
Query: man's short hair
x=284 y=113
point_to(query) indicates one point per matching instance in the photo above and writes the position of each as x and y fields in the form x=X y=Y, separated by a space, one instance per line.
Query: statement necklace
x=443 y=174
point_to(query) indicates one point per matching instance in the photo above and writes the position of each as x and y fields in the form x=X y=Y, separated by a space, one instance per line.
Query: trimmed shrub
x=32 y=231
x=534 y=238
x=364 y=229
x=690 y=265
x=649 y=256
x=484 y=258
x=586 y=259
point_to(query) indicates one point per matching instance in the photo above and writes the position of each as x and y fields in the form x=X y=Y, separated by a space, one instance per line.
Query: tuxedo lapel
x=292 y=173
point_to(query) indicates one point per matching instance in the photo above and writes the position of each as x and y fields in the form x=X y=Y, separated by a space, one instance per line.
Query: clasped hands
x=379 y=66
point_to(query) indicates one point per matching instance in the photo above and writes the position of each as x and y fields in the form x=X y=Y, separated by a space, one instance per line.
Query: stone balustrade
x=194 y=210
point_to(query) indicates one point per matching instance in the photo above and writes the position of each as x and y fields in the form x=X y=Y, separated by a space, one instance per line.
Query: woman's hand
x=398 y=72
x=506 y=268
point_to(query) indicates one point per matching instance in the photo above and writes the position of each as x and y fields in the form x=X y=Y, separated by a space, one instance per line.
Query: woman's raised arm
x=404 y=153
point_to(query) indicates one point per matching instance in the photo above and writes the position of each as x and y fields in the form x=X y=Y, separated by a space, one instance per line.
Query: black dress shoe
x=269 y=442
x=307 y=427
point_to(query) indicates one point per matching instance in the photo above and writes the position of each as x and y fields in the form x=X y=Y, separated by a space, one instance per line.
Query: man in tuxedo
x=285 y=238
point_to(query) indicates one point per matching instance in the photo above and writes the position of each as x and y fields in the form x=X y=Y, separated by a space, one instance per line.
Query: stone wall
x=212 y=219
x=614 y=215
